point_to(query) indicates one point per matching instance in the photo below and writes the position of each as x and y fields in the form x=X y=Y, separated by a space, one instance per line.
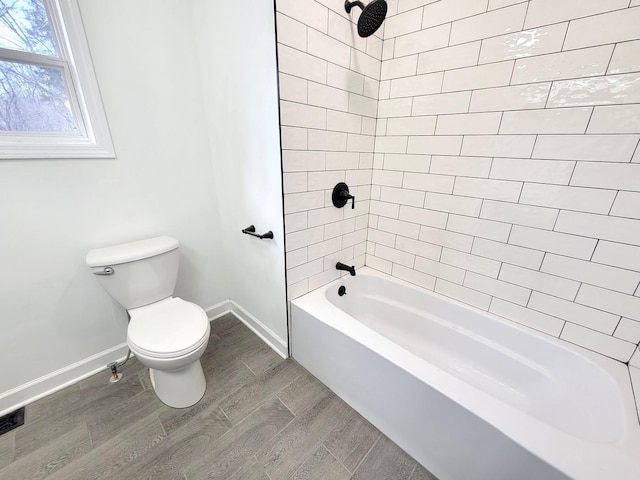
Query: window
x=50 y=104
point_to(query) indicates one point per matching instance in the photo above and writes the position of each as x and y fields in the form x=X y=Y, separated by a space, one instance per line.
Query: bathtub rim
x=574 y=456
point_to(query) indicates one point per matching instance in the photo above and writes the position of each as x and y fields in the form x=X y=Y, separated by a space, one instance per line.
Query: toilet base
x=179 y=388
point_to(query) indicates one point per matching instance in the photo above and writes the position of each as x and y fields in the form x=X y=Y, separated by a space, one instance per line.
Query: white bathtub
x=468 y=395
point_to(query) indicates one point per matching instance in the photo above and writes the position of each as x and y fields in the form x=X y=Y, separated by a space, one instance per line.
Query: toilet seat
x=169 y=328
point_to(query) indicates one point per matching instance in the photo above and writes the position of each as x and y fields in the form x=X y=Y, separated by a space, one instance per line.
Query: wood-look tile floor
x=261 y=418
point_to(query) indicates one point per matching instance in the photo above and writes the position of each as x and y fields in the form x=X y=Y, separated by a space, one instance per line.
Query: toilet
x=167 y=334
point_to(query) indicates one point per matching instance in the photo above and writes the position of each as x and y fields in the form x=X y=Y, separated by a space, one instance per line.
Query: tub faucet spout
x=346 y=268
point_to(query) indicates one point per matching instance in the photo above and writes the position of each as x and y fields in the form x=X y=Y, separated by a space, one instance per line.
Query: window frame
x=93 y=139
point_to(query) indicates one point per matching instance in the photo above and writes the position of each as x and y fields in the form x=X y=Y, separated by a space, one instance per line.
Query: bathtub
x=468 y=395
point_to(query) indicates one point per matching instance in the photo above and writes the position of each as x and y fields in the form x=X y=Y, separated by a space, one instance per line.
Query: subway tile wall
x=506 y=167
x=329 y=83
x=493 y=149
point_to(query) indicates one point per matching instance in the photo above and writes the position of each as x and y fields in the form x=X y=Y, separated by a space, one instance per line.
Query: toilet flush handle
x=105 y=271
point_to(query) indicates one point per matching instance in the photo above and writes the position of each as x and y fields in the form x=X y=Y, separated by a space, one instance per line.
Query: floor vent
x=11 y=420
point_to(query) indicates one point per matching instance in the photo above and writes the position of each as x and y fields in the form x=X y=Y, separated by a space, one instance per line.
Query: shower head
x=371 y=17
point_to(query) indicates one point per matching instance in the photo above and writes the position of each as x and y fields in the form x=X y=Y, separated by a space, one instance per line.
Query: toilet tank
x=144 y=271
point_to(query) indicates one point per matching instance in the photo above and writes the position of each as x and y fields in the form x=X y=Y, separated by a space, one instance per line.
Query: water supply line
x=114 y=366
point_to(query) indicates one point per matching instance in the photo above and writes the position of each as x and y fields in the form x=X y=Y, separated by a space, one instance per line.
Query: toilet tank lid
x=130 y=252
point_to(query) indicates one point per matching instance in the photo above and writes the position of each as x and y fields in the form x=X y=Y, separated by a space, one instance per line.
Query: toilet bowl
x=166 y=333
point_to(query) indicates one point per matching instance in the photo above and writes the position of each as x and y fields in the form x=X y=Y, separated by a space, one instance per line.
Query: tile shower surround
x=493 y=150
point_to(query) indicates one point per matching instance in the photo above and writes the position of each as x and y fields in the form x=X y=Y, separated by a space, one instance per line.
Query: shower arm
x=349 y=5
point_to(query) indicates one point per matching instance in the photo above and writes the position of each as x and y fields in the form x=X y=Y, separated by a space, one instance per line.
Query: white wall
x=236 y=48
x=52 y=311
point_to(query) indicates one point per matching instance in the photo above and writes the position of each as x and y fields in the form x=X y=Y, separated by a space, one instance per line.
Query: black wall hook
x=251 y=230
x=341 y=196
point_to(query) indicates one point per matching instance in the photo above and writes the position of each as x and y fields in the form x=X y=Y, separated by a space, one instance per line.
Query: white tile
x=535 y=41
x=368 y=126
x=594 y=148
x=399 y=107
x=628 y=330
x=404 y=5
x=573 y=312
x=498 y=145
x=469 y=124
x=374 y=47
x=298 y=115
x=399 y=227
x=397 y=144
x=496 y=288
x=436 y=145
x=379 y=264
x=443 y=103
x=555 y=120
x=345 y=79
x=446 y=11
x=493 y=4
x=385 y=90
x=592 y=200
x=304 y=238
x=384 y=209
x=428 y=182
x=463 y=294
x=295 y=222
x=610 y=301
x=343 y=122
x=344 y=30
x=519 y=97
x=297 y=289
x=402 y=196
x=395 y=256
x=411 y=126
x=342 y=161
x=540 y=282
x=625 y=281
x=422 y=41
x=416 y=85
x=294 y=182
x=328 y=97
x=327 y=141
x=617 y=254
x=423 y=216
x=453 y=204
x=412 y=276
x=309 y=13
x=362 y=105
x=607 y=175
x=300 y=64
x=371 y=88
x=607 y=90
x=461 y=166
x=507 y=253
x=627 y=204
x=296 y=257
x=360 y=143
x=384 y=238
x=291 y=32
x=586 y=62
x=612 y=27
x=599 y=226
x=544 y=171
x=543 y=12
x=323 y=216
x=399 y=67
x=409 y=163
x=439 y=270
x=357 y=178
x=402 y=24
x=537 y=217
x=387 y=49
x=635 y=362
x=365 y=64
x=604 y=344
x=293 y=88
x=491 y=189
x=444 y=238
x=293 y=138
x=322 y=278
x=422 y=249
x=473 y=263
x=465 y=55
x=481 y=76
x=336 y=229
x=479 y=227
x=298 y=202
x=626 y=58
x=561 y=243
x=524 y=316
x=490 y=24
x=615 y=119
x=320 y=249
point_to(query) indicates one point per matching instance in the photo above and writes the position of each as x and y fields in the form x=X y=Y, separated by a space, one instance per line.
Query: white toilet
x=167 y=334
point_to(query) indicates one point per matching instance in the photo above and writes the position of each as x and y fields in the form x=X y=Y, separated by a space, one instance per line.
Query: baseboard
x=52 y=382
